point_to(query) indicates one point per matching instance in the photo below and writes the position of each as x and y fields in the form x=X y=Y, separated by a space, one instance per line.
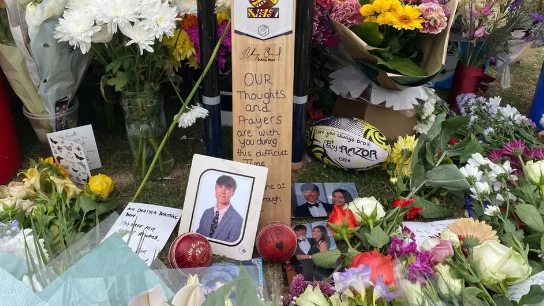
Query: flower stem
x=156 y=147
x=176 y=119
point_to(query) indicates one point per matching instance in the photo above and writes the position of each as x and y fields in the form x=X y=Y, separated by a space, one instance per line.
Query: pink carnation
x=434 y=16
x=347 y=13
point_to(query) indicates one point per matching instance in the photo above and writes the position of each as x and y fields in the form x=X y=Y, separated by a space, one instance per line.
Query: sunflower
x=473 y=232
x=407 y=18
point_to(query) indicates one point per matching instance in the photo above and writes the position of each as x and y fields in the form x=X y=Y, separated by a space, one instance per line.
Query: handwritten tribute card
x=84 y=136
x=424 y=230
x=153 y=221
x=515 y=292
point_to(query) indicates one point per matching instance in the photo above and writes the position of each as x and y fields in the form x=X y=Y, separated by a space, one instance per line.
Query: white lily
x=153 y=297
x=191 y=294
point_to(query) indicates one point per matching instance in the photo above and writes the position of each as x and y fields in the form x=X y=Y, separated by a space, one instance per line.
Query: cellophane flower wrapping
x=98 y=271
x=56 y=71
x=434 y=48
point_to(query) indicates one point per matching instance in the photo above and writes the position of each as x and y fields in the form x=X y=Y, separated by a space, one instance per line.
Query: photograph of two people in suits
x=221 y=217
x=312 y=238
x=312 y=200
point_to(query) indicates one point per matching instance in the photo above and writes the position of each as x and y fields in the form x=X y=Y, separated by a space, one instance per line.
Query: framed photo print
x=221 y=196
x=340 y=193
x=309 y=200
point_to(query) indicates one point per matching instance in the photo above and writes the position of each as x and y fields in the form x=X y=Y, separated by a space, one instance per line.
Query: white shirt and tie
x=304 y=245
x=317 y=209
x=221 y=212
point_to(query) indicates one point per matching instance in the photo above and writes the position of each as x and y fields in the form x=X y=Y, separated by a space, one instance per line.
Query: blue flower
x=356 y=278
x=381 y=291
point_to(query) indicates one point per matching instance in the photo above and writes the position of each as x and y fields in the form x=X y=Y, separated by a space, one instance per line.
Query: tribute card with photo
x=340 y=193
x=312 y=238
x=223 y=202
x=309 y=200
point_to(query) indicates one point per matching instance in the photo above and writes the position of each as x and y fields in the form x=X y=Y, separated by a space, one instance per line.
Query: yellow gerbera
x=385 y=18
x=367 y=10
x=395 y=4
x=402 y=147
x=407 y=18
x=381 y=6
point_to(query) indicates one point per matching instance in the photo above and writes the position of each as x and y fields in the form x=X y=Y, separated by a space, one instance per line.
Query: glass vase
x=146 y=127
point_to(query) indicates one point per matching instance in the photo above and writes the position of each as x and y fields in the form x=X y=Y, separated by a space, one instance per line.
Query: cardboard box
x=391 y=123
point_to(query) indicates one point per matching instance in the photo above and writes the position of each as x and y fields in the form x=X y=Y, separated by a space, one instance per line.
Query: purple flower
x=399 y=248
x=536 y=17
x=407 y=233
x=515 y=5
x=14 y=223
x=347 y=13
x=357 y=279
x=514 y=148
x=495 y=155
x=298 y=285
x=492 y=61
x=323 y=31
x=421 y=269
x=381 y=291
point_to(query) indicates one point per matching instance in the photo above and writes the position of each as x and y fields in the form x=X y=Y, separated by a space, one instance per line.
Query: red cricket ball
x=276 y=242
x=190 y=250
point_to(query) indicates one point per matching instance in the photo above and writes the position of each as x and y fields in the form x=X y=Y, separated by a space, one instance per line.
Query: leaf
x=473 y=146
x=530 y=216
x=245 y=289
x=115 y=65
x=528 y=193
x=119 y=81
x=430 y=209
x=326 y=259
x=349 y=256
x=536 y=267
x=501 y=300
x=361 y=234
x=418 y=169
x=106 y=207
x=437 y=127
x=369 y=32
x=377 y=237
x=470 y=296
x=87 y=204
x=542 y=243
x=535 y=295
x=448 y=177
x=218 y=297
x=509 y=226
x=404 y=66
x=449 y=127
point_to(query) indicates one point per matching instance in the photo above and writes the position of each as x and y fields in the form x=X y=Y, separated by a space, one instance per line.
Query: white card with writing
x=424 y=230
x=515 y=292
x=157 y=222
x=71 y=157
x=83 y=135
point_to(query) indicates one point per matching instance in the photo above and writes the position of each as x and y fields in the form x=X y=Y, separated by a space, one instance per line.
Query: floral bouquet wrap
x=397 y=44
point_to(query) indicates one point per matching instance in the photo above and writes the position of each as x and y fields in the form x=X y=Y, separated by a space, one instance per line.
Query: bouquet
x=396 y=44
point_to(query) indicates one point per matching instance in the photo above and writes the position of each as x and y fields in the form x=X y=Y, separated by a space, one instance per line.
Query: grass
x=116 y=157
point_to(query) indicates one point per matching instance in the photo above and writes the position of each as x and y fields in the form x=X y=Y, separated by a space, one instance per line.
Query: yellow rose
x=102 y=185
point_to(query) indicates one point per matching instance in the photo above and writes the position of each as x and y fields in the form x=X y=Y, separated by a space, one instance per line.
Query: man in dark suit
x=301 y=261
x=313 y=206
x=222 y=222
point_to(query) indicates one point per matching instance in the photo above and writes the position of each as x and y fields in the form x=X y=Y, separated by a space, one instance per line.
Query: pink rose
x=441 y=251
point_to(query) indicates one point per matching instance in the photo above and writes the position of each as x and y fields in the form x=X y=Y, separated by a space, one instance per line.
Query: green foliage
x=403 y=65
x=326 y=259
x=431 y=210
x=369 y=32
x=534 y=296
x=377 y=237
x=530 y=216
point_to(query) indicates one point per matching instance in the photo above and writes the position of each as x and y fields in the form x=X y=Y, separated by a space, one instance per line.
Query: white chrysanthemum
x=189 y=118
x=495 y=100
x=77 y=28
x=508 y=111
x=160 y=19
x=222 y=6
x=478 y=160
x=492 y=210
x=117 y=13
x=141 y=36
x=480 y=188
x=103 y=36
x=471 y=173
x=186 y=7
x=89 y=5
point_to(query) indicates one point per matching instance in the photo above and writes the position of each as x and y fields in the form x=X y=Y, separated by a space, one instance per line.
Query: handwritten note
x=84 y=136
x=152 y=222
x=424 y=230
x=515 y=292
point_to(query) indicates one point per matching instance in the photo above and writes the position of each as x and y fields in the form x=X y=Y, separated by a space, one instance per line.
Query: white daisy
x=77 y=28
x=186 y=7
x=189 y=118
x=492 y=210
x=477 y=160
x=508 y=111
x=471 y=173
x=141 y=36
x=495 y=100
x=117 y=13
x=160 y=19
x=222 y=6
